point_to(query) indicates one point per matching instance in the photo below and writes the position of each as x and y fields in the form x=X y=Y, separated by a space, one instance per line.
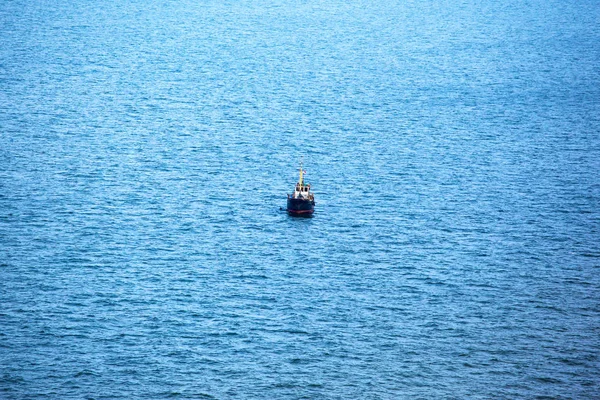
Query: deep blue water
x=147 y=146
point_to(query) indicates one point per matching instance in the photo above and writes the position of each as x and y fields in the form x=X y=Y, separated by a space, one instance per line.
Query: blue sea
x=147 y=147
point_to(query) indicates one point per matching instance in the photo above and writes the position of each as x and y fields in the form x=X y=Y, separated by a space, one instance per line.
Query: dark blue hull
x=300 y=207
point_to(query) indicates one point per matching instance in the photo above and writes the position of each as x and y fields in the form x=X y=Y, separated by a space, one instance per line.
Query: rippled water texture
x=146 y=149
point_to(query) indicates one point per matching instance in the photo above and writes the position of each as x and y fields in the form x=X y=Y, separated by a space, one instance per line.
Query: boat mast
x=301 y=176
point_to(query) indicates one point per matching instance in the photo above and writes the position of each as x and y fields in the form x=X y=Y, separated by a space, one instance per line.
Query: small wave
x=85 y=372
x=8 y=378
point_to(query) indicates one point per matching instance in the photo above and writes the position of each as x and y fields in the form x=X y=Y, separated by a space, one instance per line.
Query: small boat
x=302 y=202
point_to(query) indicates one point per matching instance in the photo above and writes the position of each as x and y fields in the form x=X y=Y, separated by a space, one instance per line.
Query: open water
x=146 y=148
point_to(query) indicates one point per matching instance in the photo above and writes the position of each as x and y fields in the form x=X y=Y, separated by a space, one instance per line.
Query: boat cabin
x=302 y=190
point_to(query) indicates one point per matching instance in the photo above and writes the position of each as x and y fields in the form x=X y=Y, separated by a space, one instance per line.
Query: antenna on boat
x=301 y=175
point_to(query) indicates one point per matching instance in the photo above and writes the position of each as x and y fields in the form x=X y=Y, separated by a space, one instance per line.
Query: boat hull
x=300 y=207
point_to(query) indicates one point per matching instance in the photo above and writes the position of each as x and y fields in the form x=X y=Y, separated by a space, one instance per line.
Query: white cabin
x=302 y=192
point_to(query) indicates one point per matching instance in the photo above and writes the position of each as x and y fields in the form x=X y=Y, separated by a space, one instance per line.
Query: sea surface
x=146 y=149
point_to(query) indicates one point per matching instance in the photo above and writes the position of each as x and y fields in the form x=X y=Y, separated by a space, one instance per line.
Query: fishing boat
x=301 y=203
